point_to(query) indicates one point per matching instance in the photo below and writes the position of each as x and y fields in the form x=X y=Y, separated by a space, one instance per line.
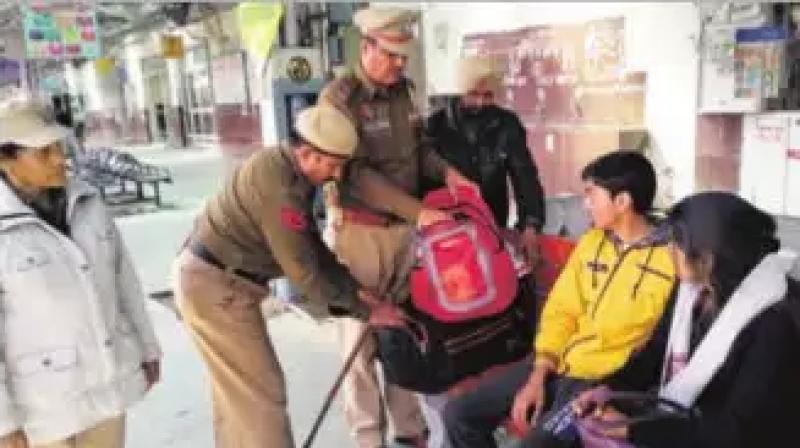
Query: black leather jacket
x=489 y=147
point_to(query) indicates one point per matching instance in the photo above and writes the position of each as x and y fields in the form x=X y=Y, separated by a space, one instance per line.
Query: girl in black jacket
x=728 y=346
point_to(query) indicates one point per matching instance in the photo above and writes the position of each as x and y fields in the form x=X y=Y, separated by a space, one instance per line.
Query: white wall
x=132 y=60
x=13 y=47
x=102 y=92
x=269 y=128
x=659 y=39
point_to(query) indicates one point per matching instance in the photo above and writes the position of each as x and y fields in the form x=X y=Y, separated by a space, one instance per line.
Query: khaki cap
x=471 y=70
x=392 y=28
x=328 y=129
x=28 y=125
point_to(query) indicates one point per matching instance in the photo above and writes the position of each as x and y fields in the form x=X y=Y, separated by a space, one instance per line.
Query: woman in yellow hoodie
x=604 y=305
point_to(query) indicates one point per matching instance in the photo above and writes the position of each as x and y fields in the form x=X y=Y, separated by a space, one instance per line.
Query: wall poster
x=571 y=89
x=60 y=31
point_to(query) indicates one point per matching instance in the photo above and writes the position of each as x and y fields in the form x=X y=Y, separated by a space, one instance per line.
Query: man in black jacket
x=487 y=144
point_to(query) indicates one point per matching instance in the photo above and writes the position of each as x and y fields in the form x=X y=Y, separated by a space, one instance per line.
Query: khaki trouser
x=374 y=255
x=222 y=312
x=106 y=434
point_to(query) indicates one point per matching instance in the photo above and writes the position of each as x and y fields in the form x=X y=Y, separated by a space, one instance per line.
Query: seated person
x=604 y=305
x=729 y=347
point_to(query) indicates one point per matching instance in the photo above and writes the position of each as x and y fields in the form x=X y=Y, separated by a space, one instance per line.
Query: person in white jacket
x=76 y=344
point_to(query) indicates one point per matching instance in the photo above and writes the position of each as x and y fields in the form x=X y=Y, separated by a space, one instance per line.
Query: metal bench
x=111 y=172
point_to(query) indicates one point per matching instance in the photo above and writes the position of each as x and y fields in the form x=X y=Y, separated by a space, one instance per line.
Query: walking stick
x=362 y=338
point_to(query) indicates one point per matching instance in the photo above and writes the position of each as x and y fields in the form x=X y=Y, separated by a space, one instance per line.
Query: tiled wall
x=107 y=128
x=238 y=128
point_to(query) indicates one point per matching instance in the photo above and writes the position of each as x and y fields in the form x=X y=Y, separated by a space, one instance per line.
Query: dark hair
x=9 y=150
x=295 y=140
x=624 y=171
x=734 y=233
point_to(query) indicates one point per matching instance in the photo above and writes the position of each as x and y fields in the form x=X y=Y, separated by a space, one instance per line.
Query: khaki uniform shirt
x=384 y=174
x=262 y=222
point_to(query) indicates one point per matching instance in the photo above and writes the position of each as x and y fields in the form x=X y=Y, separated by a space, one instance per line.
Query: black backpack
x=431 y=356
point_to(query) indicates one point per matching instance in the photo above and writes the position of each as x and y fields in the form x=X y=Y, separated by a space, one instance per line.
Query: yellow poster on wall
x=104 y=66
x=258 y=26
x=171 y=47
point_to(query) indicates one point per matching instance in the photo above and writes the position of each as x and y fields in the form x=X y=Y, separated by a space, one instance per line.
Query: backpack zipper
x=476 y=338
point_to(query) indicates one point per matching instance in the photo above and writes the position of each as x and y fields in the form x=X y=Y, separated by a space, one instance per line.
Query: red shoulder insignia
x=293 y=219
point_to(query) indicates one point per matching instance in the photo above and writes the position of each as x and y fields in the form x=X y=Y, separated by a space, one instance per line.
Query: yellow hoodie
x=605 y=304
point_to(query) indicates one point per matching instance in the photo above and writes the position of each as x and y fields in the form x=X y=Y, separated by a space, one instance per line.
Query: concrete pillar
x=102 y=93
x=176 y=110
x=269 y=128
x=290 y=27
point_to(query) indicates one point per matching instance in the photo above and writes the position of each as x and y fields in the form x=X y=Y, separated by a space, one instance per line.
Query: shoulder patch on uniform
x=293 y=219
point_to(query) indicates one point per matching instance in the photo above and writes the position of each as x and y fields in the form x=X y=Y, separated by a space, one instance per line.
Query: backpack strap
x=486 y=221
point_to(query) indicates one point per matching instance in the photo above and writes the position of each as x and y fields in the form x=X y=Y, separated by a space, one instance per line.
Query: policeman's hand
x=152 y=372
x=386 y=315
x=382 y=313
x=369 y=298
x=453 y=179
x=430 y=216
x=530 y=247
x=530 y=398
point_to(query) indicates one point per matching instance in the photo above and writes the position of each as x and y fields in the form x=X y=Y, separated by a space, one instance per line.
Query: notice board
x=571 y=88
x=229 y=77
x=61 y=31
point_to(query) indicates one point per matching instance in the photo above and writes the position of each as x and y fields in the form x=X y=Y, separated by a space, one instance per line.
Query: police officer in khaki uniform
x=378 y=205
x=259 y=227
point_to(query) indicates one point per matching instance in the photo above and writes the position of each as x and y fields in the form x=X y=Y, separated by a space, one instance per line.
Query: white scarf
x=764 y=286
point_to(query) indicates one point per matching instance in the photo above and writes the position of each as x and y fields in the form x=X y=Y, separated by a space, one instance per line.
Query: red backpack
x=464 y=270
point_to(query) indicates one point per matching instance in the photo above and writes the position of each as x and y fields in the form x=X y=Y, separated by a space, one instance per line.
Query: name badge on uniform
x=375 y=117
x=365 y=112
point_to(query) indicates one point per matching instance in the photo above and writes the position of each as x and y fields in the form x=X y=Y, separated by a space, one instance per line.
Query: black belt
x=202 y=252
